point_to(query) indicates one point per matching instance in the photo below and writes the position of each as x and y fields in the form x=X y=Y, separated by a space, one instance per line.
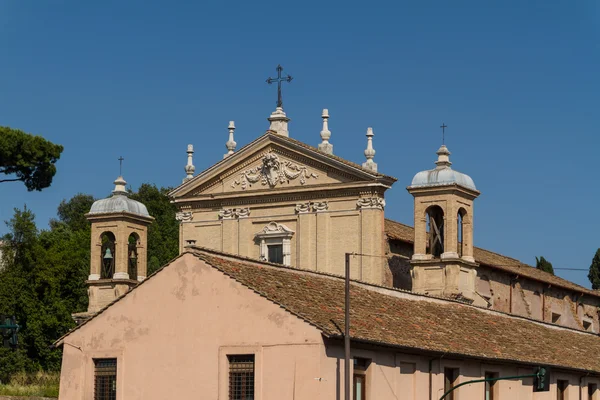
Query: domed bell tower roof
x=119 y=202
x=442 y=174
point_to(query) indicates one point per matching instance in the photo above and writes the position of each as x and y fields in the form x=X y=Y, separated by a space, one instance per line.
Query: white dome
x=442 y=174
x=119 y=202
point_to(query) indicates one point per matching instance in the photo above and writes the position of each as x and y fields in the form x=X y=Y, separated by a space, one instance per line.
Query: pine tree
x=544 y=265
x=594 y=274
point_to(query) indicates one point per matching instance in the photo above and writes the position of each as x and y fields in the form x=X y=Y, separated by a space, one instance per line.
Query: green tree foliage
x=73 y=212
x=27 y=158
x=42 y=281
x=163 y=234
x=544 y=265
x=594 y=274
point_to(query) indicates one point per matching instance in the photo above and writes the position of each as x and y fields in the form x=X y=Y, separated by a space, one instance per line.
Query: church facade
x=253 y=308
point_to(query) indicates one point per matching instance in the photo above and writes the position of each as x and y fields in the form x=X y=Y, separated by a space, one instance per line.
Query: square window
x=105 y=379
x=241 y=377
x=275 y=253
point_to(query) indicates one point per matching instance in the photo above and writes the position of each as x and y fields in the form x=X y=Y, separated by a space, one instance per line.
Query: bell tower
x=118 y=259
x=443 y=263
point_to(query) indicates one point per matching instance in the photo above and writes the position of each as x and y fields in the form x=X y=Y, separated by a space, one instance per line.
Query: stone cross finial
x=189 y=168
x=325 y=146
x=230 y=143
x=370 y=152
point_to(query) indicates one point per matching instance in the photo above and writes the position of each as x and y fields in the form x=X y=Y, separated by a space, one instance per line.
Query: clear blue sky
x=517 y=82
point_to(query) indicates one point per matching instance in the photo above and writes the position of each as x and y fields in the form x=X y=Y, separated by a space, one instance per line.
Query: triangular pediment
x=273 y=162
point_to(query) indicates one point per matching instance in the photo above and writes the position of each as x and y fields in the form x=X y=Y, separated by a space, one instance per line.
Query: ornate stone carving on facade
x=184 y=216
x=316 y=206
x=243 y=212
x=226 y=213
x=320 y=206
x=272 y=171
x=371 y=202
x=303 y=208
x=231 y=213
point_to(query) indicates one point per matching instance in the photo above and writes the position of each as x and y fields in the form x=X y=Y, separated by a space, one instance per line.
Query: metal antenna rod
x=347 y=331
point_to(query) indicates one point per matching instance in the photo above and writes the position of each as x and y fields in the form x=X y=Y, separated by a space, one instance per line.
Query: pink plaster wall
x=171 y=337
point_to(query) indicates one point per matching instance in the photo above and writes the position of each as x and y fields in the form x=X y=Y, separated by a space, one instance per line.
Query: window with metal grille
x=105 y=379
x=275 y=253
x=241 y=377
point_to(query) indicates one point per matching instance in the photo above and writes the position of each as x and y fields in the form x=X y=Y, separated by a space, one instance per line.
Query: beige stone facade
x=325 y=205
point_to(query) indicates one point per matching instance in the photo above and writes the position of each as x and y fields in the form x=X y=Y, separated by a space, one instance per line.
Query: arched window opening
x=107 y=255
x=132 y=256
x=435 y=230
x=459 y=231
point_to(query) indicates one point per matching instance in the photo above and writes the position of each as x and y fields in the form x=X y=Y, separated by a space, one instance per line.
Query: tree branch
x=10 y=180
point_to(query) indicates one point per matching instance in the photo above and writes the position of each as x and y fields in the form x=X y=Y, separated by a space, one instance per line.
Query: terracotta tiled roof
x=405 y=233
x=410 y=321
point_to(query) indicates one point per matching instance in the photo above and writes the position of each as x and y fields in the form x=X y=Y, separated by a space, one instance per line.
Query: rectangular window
x=561 y=389
x=275 y=253
x=105 y=379
x=592 y=390
x=491 y=386
x=450 y=378
x=241 y=377
x=360 y=378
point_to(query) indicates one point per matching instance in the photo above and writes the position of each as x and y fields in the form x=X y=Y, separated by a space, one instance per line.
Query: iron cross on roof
x=120 y=165
x=444 y=126
x=279 y=79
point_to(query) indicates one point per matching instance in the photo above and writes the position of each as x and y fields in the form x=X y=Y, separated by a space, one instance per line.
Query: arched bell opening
x=460 y=238
x=132 y=255
x=435 y=231
x=107 y=255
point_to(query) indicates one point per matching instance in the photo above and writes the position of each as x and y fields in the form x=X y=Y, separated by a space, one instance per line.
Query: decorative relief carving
x=184 y=216
x=320 y=206
x=275 y=229
x=371 y=202
x=226 y=213
x=243 y=212
x=303 y=208
x=231 y=213
x=316 y=206
x=273 y=172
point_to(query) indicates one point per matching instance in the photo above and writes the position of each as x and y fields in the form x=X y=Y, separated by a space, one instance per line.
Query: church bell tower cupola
x=118 y=246
x=442 y=261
